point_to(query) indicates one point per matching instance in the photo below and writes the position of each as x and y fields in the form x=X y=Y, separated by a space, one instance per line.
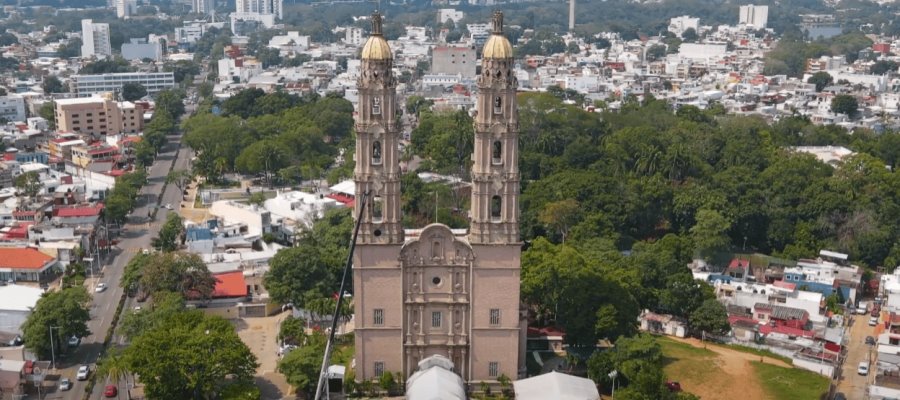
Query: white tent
x=556 y=386
x=435 y=380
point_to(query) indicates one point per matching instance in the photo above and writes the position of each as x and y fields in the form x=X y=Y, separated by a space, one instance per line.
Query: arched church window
x=497 y=152
x=498 y=105
x=377 y=209
x=376 y=106
x=496 y=205
x=376 y=152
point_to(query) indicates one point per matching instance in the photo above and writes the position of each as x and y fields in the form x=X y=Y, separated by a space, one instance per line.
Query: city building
x=449 y=14
x=353 y=36
x=25 y=264
x=95 y=40
x=203 y=6
x=139 y=49
x=98 y=115
x=754 y=16
x=436 y=290
x=680 y=24
x=259 y=7
x=454 y=60
x=89 y=85
x=126 y=8
x=12 y=108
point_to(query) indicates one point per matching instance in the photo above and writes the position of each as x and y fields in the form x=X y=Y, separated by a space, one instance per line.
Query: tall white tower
x=95 y=39
x=571 y=15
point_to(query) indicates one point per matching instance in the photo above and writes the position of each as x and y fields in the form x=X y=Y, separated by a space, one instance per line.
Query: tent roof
x=557 y=386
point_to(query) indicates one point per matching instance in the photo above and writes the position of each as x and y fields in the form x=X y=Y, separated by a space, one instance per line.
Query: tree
x=182 y=273
x=560 y=216
x=882 y=67
x=67 y=311
x=190 y=355
x=132 y=91
x=689 y=35
x=181 y=178
x=264 y=156
x=655 y=52
x=7 y=39
x=638 y=361
x=113 y=366
x=52 y=84
x=292 y=331
x=48 y=112
x=301 y=274
x=170 y=101
x=710 y=317
x=415 y=104
x=169 y=237
x=844 y=104
x=302 y=365
x=710 y=233
x=29 y=184
x=257 y=198
x=821 y=79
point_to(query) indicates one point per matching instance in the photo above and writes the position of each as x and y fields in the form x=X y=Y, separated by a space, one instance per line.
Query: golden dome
x=376 y=48
x=497 y=47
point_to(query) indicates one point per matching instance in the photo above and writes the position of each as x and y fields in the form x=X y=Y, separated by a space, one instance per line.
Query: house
x=12 y=375
x=544 y=339
x=662 y=323
x=26 y=264
x=16 y=303
x=230 y=285
x=780 y=316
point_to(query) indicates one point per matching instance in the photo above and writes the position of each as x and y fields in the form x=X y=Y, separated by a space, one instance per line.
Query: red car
x=111 y=391
x=673 y=386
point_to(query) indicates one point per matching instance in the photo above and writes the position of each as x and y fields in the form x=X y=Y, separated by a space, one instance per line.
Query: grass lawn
x=687 y=364
x=765 y=353
x=790 y=383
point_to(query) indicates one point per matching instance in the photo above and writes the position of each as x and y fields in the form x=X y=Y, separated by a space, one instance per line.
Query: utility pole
x=52 y=351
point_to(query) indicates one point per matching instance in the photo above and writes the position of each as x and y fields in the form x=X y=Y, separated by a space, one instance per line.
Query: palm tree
x=115 y=368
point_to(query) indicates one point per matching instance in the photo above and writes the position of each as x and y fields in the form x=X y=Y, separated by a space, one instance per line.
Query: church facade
x=436 y=290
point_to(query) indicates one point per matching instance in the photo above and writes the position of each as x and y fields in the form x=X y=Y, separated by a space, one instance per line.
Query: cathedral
x=435 y=290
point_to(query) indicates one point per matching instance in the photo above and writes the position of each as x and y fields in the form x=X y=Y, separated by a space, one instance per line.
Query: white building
x=353 y=36
x=301 y=207
x=203 y=6
x=191 y=32
x=678 y=25
x=139 y=49
x=257 y=221
x=449 y=14
x=126 y=8
x=754 y=16
x=154 y=82
x=292 y=42
x=266 y=20
x=260 y=7
x=16 y=303
x=95 y=39
x=12 y=108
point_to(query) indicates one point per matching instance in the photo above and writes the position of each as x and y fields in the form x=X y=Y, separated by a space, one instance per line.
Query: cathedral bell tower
x=495 y=169
x=377 y=143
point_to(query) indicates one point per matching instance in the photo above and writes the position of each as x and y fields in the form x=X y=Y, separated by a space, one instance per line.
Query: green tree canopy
x=132 y=91
x=821 y=79
x=845 y=104
x=67 y=311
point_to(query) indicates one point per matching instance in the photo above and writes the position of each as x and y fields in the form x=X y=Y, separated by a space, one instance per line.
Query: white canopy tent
x=556 y=386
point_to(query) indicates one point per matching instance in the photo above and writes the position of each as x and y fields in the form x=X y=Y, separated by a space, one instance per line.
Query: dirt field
x=716 y=372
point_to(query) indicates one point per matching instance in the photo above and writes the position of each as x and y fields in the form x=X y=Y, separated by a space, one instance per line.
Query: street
x=135 y=236
x=852 y=384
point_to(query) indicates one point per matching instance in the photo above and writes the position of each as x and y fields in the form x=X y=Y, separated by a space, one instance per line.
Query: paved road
x=136 y=236
x=852 y=384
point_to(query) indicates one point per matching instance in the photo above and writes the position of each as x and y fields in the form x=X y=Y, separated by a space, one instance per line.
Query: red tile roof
x=23 y=258
x=75 y=212
x=230 y=284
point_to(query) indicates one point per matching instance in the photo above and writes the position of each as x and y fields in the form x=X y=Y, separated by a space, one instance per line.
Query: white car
x=100 y=287
x=168 y=206
x=873 y=321
x=74 y=341
x=83 y=372
x=863 y=368
x=65 y=384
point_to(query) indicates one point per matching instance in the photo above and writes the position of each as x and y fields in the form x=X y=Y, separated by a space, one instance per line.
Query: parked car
x=673 y=386
x=83 y=372
x=65 y=384
x=873 y=321
x=863 y=368
x=168 y=206
x=100 y=287
x=74 y=341
x=111 y=391
x=870 y=340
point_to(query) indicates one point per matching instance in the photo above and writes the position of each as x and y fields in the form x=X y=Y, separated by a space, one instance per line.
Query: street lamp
x=52 y=351
x=613 y=375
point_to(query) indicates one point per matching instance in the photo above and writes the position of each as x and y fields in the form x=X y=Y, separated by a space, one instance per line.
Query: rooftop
x=19 y=297
x=230 y=284
x=23 y=258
